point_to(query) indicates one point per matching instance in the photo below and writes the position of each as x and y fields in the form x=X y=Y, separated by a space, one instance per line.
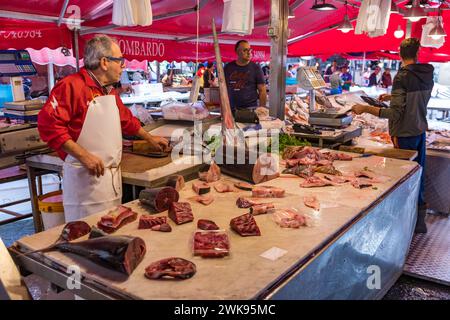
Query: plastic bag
x=292 y=218
x=141 y=113
x=175 y=110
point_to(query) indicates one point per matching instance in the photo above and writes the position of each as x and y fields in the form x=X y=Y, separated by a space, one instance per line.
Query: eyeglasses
x=120 y=59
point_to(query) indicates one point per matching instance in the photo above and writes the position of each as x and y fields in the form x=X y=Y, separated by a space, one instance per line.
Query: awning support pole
x=76 y=48
x=51 y=76
x=278 y=32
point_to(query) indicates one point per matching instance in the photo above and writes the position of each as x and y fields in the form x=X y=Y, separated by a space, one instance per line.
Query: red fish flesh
x=205 y=200
x=222 y=187
x=175 y=268
x=245 y=225
x=176 y=182
x=164 y=227
x=287 y=218
x=147 y=221
x=312 y=202
x=211 y=244
x=244 y=186
x=181 y=212
x=204 y=224
x=159 y=199
x=117 y=218
x=268 y=192
x=261 y=208
x=212 y=174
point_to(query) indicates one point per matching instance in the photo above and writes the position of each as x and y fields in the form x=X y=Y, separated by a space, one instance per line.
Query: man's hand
x=385 y=97
x=93 y=163
x=359 y=108
x=159 y=143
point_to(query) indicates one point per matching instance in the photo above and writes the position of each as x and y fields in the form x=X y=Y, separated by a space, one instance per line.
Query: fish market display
x=315 y=181
x=172 y=268
x=287 y=218
x=297 y=111
x=159 y=199
x=245 y=225
x=181 y=212
x=119 y=253
x=200 y=187
x=244 y=186
x=268 y=192
x=222 y=187
x=261 y=208
x=205 y=224
x=211 y=244
x=312 y=202
x=211 y=174
x=116 y=218
x=205 y=200
x=176 y=182
x=147 y=221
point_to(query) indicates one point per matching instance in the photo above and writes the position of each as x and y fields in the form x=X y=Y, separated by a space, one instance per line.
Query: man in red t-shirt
x=83 y=120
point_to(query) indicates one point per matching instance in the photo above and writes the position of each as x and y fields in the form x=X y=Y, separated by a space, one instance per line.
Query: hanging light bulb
x=345 y=25
x=415 y=13
x=399 y=33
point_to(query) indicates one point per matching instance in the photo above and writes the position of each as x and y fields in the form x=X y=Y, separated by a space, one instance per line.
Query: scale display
x=308 y=78
x=16 y=63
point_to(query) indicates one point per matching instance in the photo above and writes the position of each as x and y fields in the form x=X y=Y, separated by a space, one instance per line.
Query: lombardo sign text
x=142 y=48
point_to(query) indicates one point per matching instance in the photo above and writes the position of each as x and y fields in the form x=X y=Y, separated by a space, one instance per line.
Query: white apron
x=101 y=135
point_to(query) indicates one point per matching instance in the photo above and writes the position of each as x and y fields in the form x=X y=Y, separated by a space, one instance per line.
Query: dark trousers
x=416 y=143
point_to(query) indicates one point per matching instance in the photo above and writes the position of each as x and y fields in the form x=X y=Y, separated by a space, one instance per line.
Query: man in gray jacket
x=407 y=114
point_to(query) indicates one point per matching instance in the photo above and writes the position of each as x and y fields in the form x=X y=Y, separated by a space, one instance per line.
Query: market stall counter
x=356 y=235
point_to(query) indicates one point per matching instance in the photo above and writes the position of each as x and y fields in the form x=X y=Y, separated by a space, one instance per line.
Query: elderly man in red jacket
x=83 y=120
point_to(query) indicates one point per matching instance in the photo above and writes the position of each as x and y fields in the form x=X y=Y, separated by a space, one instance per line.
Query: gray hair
x=97 y=48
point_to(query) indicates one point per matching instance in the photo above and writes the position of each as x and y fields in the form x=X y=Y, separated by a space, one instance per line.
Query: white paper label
x=273 y=253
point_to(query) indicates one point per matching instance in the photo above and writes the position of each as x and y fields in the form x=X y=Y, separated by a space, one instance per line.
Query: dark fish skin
x=119 y=253
x=96 y=233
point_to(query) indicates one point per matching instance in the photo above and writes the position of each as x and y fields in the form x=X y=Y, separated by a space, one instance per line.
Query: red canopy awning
x=336 y=42
x=172 y=35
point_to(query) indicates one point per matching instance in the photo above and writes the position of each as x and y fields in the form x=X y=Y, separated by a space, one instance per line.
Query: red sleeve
x=129 y=123
x=54 y=117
